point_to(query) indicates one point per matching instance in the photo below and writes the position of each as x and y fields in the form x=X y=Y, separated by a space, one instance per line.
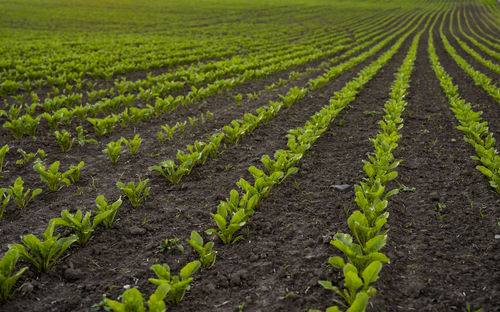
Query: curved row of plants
x=236 y=211
x=199 y=152
x=471 y=124
x=474 y=35
x=362 y=249
x=479 y=78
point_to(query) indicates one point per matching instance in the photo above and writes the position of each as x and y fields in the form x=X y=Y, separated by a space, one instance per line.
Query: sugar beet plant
x=3 y=151
x=21 y=197
x=113 y=150
x=53 y=177
x=81 y=224
x=7 y=278
x=475 y=129
x=103 y=207
x=135 y=194
x=43 y=254
x=362 y=250
x=171 y=288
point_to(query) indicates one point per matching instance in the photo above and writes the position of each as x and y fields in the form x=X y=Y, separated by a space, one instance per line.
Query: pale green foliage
x=7 y=280
x=20 y=197
x=113 y=150
x=136 y=194
x=81 y=225
x=133 y=144
x=205 y=251
x=52 y=177
x=64 y=140
x=3 y=151
x=178 y=284
x=43 y=254
x=103 y=208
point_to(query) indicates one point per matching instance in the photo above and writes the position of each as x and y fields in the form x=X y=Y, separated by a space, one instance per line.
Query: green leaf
x=360 y=303
x=336 y=262
x=370 y=274
x=375 y=244
x=189 y=269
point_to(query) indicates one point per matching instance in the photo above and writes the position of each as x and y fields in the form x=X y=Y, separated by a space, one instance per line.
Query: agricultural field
x=237 y=155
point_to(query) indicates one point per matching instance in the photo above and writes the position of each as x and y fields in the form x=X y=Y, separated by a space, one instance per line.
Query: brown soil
x=439 y=261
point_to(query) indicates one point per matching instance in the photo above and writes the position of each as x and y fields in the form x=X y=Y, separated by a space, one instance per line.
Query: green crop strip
x=200 y=151
x=239 y=209
x=479 y=78
x=489 y=64
x=482 y=47
x=364 y=259
x=476 y=131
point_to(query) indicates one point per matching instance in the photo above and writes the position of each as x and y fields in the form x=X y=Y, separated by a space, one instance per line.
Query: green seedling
x=81 y=225
x=7 y=280
x=3 y=151
x=74 y=172
x=133 y=193
x=52 y=177
x=171 y=243
x=133 y=301
x=238 y=97
x=178 y=284
x=205 y=251
x=4 y=200
x=27 y=157
x=226 y=231
x=43 y=254
x=20 y=197
x=171 y=171
x=81 y=133
x=167 y=134
x=64 y=140
x=133 y=144
x=113 y=150
x=41 y=154
x=103 y=207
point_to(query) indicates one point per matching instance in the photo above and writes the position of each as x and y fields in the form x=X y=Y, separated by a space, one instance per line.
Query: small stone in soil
x=340 y=187
x=135 y=230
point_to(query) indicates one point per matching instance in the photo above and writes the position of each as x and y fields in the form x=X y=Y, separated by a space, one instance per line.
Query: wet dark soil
x=442 y=245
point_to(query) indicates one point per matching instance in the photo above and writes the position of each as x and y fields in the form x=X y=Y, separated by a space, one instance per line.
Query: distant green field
x=281 y=155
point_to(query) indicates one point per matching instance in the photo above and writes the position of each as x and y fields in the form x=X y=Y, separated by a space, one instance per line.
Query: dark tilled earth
x=440 y=261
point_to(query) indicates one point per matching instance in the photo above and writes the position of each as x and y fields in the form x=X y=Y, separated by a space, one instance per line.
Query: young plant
x=171 y=243
x=133 y=193
x=167 y=134
x=41 y=154
x=74 y=172
x=113 y=150
x=171 y=171
x=80 y=224
x=103 y=208
x=43 y=254
x=226 y=231
x=133 y=144
x=52 y=177
x=80 y=132
x=133 y=301
x=20 y=197
x=355 y=298
x=4 y=200
x=238 y=97
x=103 y=126
x=64 y=140
x=27 y=157
x=205 y=251
x=7 y=280
x=3 y=151
x=178 y=284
